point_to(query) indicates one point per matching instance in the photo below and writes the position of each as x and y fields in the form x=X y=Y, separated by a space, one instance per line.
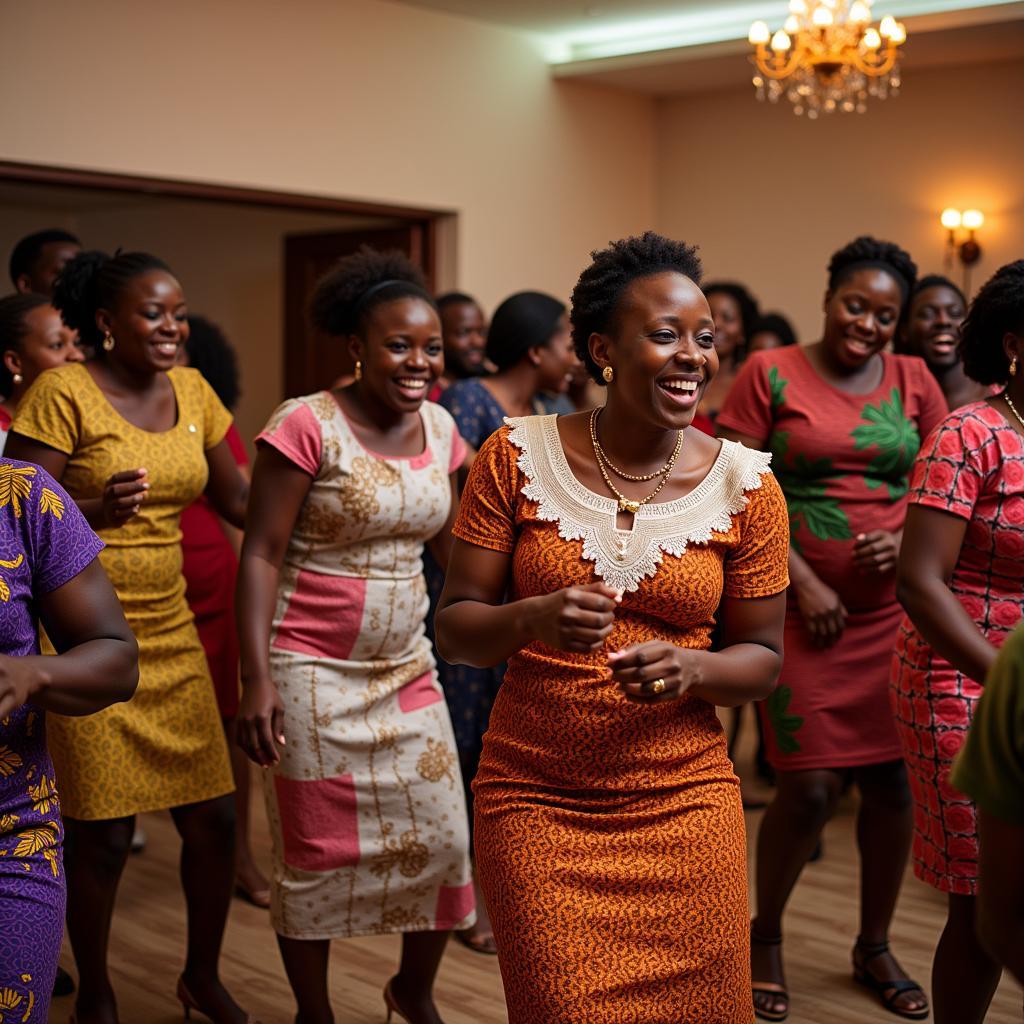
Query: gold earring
x=108 y=342
x=17 y=378
x=359 y=369
x=1013 y=367
x=609 y=374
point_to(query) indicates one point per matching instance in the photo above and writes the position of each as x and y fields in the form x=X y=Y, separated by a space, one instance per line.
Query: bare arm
x=440 y=545
x=931 y=546
x=745 y=669
x=1001 y=891
x=475 y=627
x=97 y=661
x=228 y=486
x=279 y=488
x=122 y=495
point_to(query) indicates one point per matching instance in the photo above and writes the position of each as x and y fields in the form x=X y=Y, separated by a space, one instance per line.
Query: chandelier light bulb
x=973 y=219
x=860 y=13
x=798 y=7
x=759 y=34
x=900 y=35
x=792 y=25
x=887 y=27
x=822 y=17
x=781 y=41
x=951 y=218
x=872 y=40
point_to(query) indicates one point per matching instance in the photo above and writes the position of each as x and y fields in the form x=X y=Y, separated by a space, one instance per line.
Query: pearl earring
x=17 y=378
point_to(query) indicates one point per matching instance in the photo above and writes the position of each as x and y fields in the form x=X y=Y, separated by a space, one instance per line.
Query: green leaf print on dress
x=886 y=427
x=777 y=386
x=805 y=482
x=784 y=725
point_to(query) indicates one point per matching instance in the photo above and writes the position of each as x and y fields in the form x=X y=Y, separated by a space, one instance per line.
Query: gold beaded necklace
x=627 y=504
x=1013 y=408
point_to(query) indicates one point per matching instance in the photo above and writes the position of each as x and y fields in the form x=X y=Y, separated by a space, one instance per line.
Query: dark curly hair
x=27 y=252
x=774 y=323
x=997 y=310
x=210 y=352
x=14 y=309
x=866 y=251
x=345 y=296
x=93 y=281
x=746 y=302
x=595 y=299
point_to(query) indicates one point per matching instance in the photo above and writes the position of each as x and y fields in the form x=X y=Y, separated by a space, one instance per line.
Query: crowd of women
x=490 y=593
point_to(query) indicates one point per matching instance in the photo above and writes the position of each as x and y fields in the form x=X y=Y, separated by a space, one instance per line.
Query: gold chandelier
x=828 y=56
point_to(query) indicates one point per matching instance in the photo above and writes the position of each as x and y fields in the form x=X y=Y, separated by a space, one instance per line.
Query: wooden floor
x=148 y=940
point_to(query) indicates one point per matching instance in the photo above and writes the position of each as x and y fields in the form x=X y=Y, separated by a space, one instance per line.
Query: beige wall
x=769 y=196
x=360 y=99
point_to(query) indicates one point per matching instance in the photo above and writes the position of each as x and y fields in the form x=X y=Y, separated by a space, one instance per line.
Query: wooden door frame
x=106 y=181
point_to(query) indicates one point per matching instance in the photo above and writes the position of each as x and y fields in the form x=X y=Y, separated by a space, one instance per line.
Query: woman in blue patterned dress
x=49 y=574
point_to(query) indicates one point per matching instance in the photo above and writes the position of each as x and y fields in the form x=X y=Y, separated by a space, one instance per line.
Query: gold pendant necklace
x=1013 y=408
x=628 y=504
x=618 y=472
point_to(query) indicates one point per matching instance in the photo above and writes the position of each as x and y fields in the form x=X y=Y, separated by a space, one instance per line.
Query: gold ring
x=658 y=686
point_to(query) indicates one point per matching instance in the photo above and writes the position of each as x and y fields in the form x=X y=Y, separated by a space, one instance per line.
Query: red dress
x=842 y=461
x=209 y=565
x=972 y=467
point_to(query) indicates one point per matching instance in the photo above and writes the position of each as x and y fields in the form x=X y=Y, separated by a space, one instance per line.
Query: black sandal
x=887 y=991
x=768 y=988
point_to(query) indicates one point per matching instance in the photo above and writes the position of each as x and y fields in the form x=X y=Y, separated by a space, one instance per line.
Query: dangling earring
x=108 y=342
x=1013 y=367
x=359 y=369
x=609 y=374
x=17 y=378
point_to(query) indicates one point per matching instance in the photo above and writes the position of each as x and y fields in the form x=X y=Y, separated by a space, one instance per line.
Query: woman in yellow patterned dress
x=341 y=696
x=134 y=440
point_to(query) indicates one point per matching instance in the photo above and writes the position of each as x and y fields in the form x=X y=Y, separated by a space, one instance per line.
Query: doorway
x=247 y=258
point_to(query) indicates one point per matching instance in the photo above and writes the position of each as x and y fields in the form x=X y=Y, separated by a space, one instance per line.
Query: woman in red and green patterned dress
x=844 y=420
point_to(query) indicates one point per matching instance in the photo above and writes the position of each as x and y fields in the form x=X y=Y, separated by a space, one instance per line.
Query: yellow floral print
x=436 y=762
x=35 y=839
x=15 y=485
x=51 y=857
x=44 y=796
x=10 y=762
x=8 y=821
x=50 y=501
x=5 y=590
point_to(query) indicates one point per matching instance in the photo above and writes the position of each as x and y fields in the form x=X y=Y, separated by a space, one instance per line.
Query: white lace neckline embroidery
x=623 y=558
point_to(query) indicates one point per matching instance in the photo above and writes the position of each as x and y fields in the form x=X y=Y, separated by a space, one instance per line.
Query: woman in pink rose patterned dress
x=961 y=581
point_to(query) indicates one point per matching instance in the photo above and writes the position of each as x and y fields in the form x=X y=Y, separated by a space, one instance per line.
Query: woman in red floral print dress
x=961 y=580
x=844 y=420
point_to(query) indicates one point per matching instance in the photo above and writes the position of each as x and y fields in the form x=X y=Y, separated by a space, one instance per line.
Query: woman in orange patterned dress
x=609 y=829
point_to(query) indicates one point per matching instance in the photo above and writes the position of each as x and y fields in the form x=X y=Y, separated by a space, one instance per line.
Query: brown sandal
x=887 y=991
x=768 y=988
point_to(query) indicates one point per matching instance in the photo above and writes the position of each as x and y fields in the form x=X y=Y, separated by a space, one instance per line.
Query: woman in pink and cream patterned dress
x=341 y=696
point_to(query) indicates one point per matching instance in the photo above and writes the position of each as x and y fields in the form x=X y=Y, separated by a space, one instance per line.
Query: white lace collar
x=622 y=558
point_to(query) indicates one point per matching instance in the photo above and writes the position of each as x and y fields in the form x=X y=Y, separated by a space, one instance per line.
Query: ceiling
x=673 y=47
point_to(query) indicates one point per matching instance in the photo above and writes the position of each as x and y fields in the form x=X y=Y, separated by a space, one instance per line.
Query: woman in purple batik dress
x=48 y=574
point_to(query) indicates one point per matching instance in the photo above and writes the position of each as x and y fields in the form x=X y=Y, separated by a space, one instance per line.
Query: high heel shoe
x=189 y=1003
x=392 y=1004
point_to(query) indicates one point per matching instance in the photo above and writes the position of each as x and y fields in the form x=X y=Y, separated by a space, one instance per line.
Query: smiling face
x=47 y=344
x=933 y=326
x=401 y=353
x=662 y=349
x=465 y=338
x=861 y=315
x=149 y=323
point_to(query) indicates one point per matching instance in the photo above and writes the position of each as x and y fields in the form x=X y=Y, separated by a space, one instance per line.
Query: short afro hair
x=345 y=296
x=455 y=299
x=595 y=299
x=997 y=310
x=746 y=302
x=30 y=248
x=865 y=252
x=777 y=324
x=210 y=352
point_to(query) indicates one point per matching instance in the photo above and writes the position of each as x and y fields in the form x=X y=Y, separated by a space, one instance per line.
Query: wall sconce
x=968 y=250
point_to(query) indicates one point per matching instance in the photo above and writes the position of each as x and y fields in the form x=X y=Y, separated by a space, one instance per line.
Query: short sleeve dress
x=165 y=747
x=971 y=467
x=44 y=543
x=609 y=835
x=843 y=463
x=366 y=806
